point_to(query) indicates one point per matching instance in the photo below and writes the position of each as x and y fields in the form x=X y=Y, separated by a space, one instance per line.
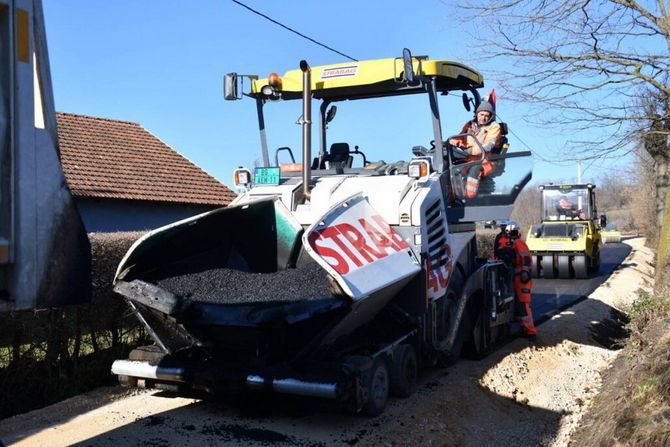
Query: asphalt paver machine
x=337 y=276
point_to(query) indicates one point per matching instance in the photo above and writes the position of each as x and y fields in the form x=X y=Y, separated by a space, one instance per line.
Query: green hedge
x=49 y=355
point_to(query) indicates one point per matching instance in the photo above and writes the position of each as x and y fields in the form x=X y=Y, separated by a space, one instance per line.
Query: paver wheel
x=404 y=371
x=447 y=318
x=479 y=343
x=377 y=386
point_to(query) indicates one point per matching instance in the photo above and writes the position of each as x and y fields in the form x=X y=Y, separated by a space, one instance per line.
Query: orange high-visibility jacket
x=500 y=242
x=524 y=259
x=488 y=136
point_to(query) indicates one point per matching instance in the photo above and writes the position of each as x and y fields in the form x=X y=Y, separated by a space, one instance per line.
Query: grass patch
x=646 y=309
x=643 y=390
x=633 y=407
x=645 y=313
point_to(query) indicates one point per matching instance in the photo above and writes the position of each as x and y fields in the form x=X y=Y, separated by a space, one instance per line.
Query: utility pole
x=579 y=171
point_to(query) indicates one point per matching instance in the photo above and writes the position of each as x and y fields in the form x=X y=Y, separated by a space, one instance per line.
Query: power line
x=535 y=153
x=293 y=31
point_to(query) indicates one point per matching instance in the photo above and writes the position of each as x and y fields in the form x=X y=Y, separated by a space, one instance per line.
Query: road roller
x=567 y=243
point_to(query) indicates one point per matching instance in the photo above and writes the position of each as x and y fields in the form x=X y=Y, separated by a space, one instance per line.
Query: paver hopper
x=245 y=284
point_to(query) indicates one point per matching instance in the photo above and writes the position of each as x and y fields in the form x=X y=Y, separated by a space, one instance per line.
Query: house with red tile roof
x=123 y=178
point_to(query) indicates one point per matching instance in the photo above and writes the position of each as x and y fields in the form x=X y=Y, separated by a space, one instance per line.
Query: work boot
x=532 y=338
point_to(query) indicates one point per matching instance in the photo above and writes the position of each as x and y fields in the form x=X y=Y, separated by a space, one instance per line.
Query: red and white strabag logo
x=359 y=249
x=349 y=245
x=340 y=72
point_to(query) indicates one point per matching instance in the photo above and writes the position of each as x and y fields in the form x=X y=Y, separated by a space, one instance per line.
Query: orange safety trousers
x=523 y=263
x=475 y=174
x=522 y=306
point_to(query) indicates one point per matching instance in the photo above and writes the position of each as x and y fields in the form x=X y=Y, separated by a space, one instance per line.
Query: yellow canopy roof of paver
x=381 y=77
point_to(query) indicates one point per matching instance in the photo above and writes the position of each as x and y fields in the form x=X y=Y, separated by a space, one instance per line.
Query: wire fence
x=49 y=355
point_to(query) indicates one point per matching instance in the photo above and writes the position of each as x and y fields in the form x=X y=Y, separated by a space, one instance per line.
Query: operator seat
x=489 y=168
x=496 y=167
x=503 y=144
x=338 y=158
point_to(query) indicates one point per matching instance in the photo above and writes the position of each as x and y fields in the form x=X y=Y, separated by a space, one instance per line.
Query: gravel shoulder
x=527 y=394
x=521 y=394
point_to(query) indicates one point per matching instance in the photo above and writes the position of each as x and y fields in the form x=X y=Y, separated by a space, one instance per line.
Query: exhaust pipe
x=294 y=386
x=306 y=127
x=144 y=370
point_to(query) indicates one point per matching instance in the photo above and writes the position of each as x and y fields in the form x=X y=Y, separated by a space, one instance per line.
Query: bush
x=485 y=240
x=49 y=355
x=646 y=309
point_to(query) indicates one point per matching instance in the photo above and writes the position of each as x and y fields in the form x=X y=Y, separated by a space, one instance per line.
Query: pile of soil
x=525 y=393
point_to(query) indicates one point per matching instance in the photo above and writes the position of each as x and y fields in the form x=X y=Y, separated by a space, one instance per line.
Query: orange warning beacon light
x=275 y=80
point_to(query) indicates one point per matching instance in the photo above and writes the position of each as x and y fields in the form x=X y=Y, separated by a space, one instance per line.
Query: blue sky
x=161 y=64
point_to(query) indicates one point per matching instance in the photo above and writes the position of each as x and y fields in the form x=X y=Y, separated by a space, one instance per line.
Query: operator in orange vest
x=522 y=281
x=485 y=130
x=566 y=208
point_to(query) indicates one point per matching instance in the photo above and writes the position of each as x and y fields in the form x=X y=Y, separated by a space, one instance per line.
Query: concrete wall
x=107 y=215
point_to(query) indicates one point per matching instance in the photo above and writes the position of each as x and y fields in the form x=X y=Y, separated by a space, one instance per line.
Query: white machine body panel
x=383 y=193
x=284 y=192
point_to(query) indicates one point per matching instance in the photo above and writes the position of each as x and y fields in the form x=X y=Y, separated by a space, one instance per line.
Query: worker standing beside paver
x=503 y=251
x=523 y=283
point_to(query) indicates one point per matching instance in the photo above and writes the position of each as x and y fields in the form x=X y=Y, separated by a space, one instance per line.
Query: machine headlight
x=242 y=178
x=418 y=168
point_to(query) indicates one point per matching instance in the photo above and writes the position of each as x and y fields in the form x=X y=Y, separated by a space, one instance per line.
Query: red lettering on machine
x=438 y=272
x=350 y=245
x=339 y=72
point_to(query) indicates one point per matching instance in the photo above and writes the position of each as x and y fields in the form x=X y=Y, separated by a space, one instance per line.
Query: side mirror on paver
x=466 y=102
x=230 y=90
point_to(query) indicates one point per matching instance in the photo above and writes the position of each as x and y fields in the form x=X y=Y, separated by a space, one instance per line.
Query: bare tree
x=643 y=205
x=527 y=207
x=588 y=60
x=596 y=67
x=655 y=142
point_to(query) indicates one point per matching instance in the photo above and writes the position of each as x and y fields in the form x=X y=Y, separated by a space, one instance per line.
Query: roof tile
x=113 y=159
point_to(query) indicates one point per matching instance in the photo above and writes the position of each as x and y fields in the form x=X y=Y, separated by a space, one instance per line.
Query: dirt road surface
x=522 y=394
